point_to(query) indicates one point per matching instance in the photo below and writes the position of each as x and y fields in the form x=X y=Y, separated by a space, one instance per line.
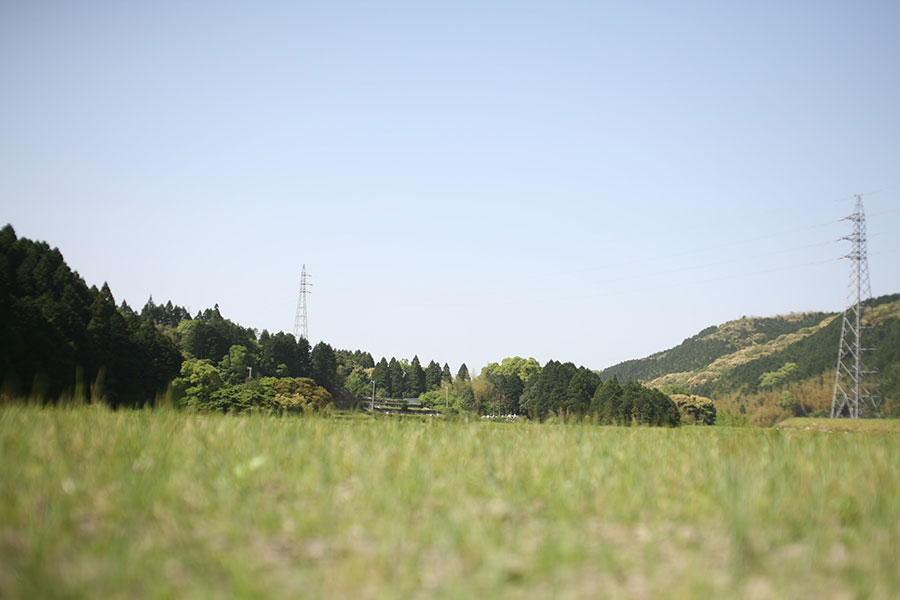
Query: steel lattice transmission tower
x=301 y=326
x=854 y=384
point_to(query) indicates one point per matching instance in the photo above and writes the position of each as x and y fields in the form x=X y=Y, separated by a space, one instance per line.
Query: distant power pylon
x=855 y=386
x=301 y=326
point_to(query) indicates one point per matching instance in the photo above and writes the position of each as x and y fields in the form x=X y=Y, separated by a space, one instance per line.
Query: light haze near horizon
x=590 y=182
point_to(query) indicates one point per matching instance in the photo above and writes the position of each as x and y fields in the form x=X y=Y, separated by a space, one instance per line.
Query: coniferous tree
x=304 y=358
x=324 y=365
x=415 y=380
x=432 y=377
x=446 y=375
x=398 y=378
x=463 y=373
x=382 y=377
x=280 y=354
x=606 y=401
x=59 y=336
x=580 y=392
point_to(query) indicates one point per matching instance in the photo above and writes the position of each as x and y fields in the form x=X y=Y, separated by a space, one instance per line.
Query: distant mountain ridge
x=695 y=354
x=731 y=358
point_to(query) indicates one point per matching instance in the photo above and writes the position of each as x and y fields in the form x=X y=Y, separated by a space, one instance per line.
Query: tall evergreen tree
x=580 y=392
x=280 y=354
x=463 y=373
x=432 y=377
x=606 y=401
x=304 y=358
x=415 y=380
x=324 y=364
x=382 y=377
x=446 y=375
x=398 y=378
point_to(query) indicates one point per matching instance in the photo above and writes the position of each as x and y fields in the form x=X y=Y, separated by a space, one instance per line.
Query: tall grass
x=101 y=504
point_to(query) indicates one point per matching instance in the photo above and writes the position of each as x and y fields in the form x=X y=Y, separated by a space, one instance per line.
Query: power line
x=618 y=292
x=708 y=249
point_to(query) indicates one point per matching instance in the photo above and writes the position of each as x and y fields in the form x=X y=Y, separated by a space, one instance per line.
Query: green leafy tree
x=445 y=400
x=196 y=385
x=238 y=365
x=463 y=389
x=523 y=368
x=359 y=383
x=776 y=378
x=300 y=394
x=497 y=392
x=695 y=410
x=271 y=395
x=789 y=403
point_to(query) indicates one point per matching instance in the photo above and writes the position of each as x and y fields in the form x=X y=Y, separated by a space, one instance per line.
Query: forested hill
x=61 y=339
x=696 y=353
x=753 y=355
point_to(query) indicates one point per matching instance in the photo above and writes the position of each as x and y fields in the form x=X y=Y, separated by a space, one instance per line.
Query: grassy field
x=96 y=504
x=842 y=425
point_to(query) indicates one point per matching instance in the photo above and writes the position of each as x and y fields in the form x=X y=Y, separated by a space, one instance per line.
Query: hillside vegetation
x=772 y=368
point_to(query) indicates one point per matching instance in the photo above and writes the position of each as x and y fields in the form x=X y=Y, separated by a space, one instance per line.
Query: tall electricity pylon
x=854 y=387
x=301 y=326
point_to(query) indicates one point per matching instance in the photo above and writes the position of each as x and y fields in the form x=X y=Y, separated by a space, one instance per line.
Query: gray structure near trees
x=855 y=383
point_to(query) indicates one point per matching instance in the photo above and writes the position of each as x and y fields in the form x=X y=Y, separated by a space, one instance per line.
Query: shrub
x=695 y=410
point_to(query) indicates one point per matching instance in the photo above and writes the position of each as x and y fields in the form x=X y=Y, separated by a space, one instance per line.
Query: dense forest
x=64 y=340
x=59 y=337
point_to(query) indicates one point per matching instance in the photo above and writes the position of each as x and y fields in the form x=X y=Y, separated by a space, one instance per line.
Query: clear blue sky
x=466 y=181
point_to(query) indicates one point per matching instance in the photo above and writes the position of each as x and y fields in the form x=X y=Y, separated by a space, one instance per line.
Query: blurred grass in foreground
x=99 y=504
x=842 y=425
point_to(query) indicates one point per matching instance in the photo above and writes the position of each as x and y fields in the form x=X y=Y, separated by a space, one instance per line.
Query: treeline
x=236 y=351
x=568 y=391
x=61 y=338
x=521 y=387
x=227 y=368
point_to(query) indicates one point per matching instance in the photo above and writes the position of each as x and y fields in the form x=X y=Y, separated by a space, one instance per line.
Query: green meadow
x=136 y=504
